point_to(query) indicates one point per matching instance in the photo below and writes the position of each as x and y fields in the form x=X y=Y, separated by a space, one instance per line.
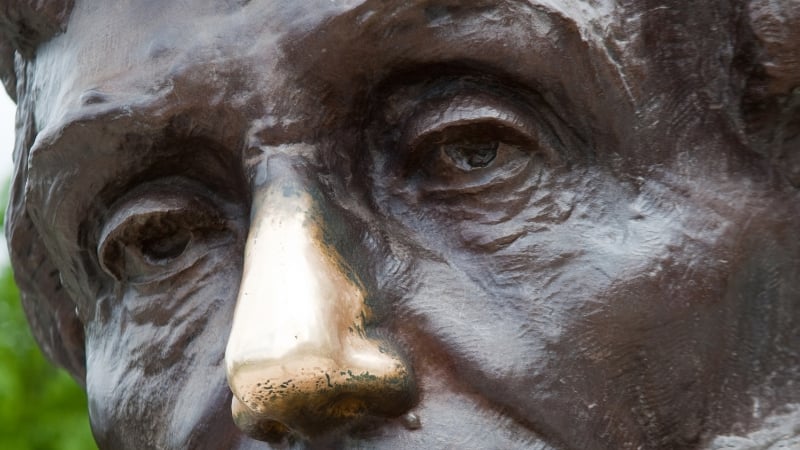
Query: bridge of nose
x=285 y=297
x=298 y=354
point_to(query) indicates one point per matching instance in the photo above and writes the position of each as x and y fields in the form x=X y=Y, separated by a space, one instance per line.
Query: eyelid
x=157 y=200
x=143 y=208
x=466 y=110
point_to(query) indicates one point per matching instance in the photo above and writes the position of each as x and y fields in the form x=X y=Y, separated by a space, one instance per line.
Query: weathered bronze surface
x=413 y=224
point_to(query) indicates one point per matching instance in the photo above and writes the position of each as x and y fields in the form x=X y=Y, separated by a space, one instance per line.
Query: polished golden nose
x=298 y=358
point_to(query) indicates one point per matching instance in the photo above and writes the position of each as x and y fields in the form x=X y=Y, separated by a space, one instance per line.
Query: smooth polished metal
x=298 y=340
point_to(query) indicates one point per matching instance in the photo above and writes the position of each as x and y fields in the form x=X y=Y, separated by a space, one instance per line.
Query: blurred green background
x=41 y=407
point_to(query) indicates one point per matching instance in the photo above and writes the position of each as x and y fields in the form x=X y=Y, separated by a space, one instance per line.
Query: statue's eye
x=470 y=155
x=155 y=233
x=470 y=143
x=167 y=244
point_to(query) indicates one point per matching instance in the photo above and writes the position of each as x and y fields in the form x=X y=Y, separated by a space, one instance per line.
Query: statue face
x=499 y=224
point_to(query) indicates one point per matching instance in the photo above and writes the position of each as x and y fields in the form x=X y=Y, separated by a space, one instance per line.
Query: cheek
x=156 y=360
x=577 y=299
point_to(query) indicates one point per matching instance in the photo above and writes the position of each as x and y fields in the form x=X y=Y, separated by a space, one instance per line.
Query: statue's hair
x=773 y=35
x=24 y=25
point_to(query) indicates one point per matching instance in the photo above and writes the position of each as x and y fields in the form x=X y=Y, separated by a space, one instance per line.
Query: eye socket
x=154 y=234
x=471 y=142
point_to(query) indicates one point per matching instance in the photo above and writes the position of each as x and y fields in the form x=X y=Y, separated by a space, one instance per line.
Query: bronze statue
x=413 y=224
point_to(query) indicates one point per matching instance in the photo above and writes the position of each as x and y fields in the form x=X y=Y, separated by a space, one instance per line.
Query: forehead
x=128 y=46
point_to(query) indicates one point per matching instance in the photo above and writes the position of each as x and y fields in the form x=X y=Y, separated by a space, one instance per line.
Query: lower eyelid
x=514 y=171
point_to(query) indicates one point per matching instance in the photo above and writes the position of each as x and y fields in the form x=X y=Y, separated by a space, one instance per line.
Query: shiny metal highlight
x=297 y=353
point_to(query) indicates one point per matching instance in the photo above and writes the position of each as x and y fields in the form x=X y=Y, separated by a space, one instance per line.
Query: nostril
x=347 y=407
x=310 y=403
x=270 y=431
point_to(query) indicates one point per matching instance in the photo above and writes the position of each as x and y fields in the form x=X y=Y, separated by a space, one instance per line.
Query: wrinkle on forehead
x=112 y=43
x=584 y=13
x=601 y=22
x=132 y=47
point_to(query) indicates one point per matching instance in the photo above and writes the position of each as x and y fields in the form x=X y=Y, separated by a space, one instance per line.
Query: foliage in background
x=41 y=407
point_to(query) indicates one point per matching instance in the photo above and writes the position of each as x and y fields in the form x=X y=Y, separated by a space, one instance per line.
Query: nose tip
x=298 y=358
x=311 y=395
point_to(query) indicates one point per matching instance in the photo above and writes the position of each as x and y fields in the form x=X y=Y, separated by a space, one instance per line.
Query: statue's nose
x=298 y=358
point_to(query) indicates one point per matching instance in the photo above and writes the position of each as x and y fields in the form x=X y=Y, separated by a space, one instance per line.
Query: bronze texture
x=413 y=224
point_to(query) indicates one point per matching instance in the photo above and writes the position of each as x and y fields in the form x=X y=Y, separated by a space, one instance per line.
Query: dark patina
x=413 y=224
